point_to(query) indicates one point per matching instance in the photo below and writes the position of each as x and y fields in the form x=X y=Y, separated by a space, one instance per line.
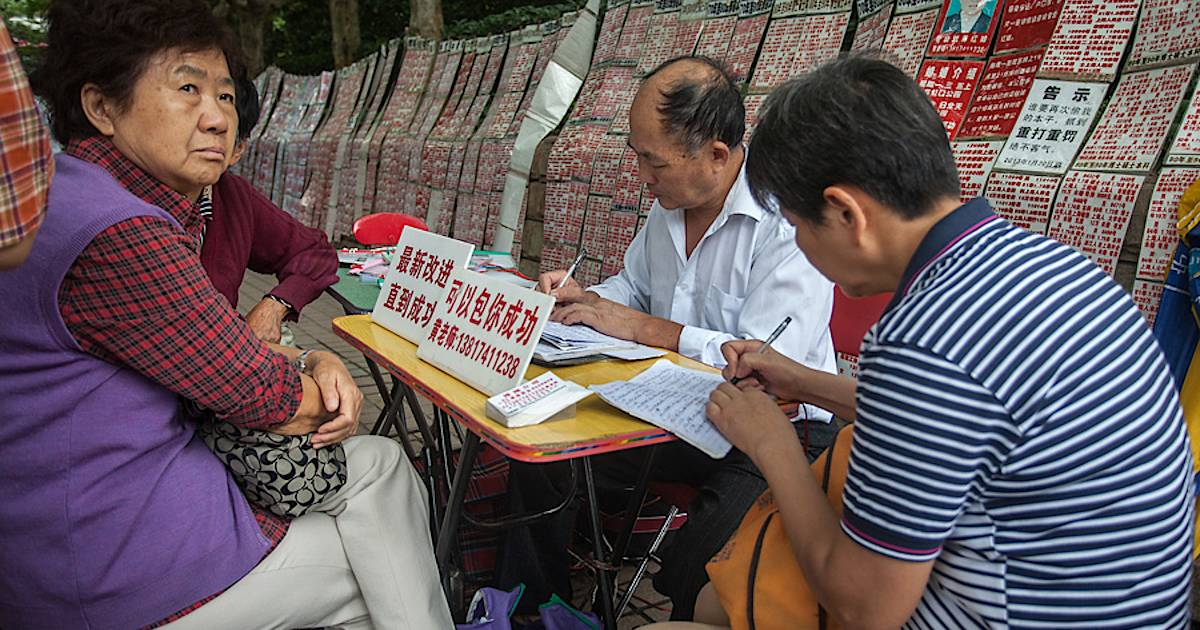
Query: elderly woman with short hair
x=116 y=515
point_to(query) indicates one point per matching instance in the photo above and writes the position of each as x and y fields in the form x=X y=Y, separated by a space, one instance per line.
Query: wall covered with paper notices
x=1077 y=118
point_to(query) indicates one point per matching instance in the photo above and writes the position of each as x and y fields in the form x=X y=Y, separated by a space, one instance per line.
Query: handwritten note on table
x=673 y=398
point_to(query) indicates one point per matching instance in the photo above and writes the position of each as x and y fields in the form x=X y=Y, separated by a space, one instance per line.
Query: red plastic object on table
x=384 y=228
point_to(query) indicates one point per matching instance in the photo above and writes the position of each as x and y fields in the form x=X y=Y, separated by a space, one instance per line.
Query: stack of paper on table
x=534 y=401
x=560 y=342
x=672 y=398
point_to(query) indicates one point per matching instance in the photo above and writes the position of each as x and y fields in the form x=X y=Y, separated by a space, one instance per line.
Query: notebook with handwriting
x=672 y=398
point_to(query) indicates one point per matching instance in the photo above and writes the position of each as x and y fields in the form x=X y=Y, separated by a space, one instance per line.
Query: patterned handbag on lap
x=280 y=473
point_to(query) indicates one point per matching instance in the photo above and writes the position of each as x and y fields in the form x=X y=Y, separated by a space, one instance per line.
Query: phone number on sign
x=448 y=336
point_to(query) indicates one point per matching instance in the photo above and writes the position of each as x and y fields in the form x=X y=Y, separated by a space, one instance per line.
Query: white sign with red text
x=420 y=270
x=484 y=331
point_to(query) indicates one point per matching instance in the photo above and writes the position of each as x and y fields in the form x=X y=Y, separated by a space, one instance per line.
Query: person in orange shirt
x=25 y=156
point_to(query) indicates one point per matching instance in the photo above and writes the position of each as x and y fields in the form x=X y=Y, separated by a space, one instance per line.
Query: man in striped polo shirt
x=1019 y=454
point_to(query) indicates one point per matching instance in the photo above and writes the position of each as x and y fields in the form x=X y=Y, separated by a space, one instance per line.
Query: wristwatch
x=280 y=300
x=301 y=362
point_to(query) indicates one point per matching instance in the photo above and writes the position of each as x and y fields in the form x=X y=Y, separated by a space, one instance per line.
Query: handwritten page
x=673 y=398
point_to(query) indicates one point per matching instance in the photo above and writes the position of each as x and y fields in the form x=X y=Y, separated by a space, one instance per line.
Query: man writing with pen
x=709 y=266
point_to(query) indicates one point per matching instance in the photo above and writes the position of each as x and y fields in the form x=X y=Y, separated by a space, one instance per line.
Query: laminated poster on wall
x=660 y=37
x=1147 y=294
x=915 y=6
x=753 y=103
x=1052 y=126
x=1168 y=31
x=950 y=85
x=1090 y=39
x=1134 y=127
x=908 y=36
x=1161 y=235
x=719 y=23
x=1027 y=24
x=874 y=18
x=1001 y=94
x=1024 y=200
x=975 y=161
x=1092 y=214
x=753 y=16
x=965 y=28
x=1185 y=148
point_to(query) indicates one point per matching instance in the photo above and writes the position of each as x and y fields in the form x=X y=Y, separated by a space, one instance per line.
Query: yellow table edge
x=596 y=428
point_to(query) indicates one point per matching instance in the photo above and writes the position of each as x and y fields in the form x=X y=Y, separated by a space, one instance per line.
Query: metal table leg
x=454 y=507
x=602 y=567
x=388 y=418
x=418 y=415
x=634 y=508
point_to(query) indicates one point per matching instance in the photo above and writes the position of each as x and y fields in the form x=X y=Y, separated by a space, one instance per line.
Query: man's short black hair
x=858 y=121
x=704 y=106
x=246 y=103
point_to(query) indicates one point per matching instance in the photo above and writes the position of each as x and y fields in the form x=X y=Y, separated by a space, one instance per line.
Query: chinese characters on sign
x=872 y=28
x=1161 y=235
x=566 y=204
x=975 y=161
x=485 y=330
x=950 y=85
x=1002 y=92
x=965 y=28
x=907 y=38
x=1148 y=295
x=784 y=8
x=847 y=364
x=753 y=103
x=1092 y=214
x=1027 y=24
x=1185 y=150
x=1052 y=126
x=1090 y=38
x=1168 y=30
x=421 y=267
x=1025 y=200
x=913 y=6
x=744 y=45
x=795 y=45
x=1131 y=133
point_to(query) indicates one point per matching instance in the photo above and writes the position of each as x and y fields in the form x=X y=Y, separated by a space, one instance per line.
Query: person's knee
x=375 y=456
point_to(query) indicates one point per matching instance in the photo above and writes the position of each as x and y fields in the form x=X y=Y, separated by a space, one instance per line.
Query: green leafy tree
x=26 y=23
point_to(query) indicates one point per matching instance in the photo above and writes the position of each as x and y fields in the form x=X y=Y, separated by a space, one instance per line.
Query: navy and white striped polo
x=1017 y=422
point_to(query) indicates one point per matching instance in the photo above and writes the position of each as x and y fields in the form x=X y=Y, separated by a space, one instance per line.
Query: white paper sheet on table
x=580 y=335
x=635 y=354
x=561 y=342
x=672 y=398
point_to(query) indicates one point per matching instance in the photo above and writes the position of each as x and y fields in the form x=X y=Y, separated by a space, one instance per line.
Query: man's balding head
x=696 y=102
x=686 y=126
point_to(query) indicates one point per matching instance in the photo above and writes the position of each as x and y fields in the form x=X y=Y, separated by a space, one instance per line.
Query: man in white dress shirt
x=710 y=265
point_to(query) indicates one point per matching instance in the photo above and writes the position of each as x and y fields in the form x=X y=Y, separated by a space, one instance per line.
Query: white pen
x=767 y=344
x=571 y=269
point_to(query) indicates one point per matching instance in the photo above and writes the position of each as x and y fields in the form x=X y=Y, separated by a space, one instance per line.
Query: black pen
x=767 y=344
